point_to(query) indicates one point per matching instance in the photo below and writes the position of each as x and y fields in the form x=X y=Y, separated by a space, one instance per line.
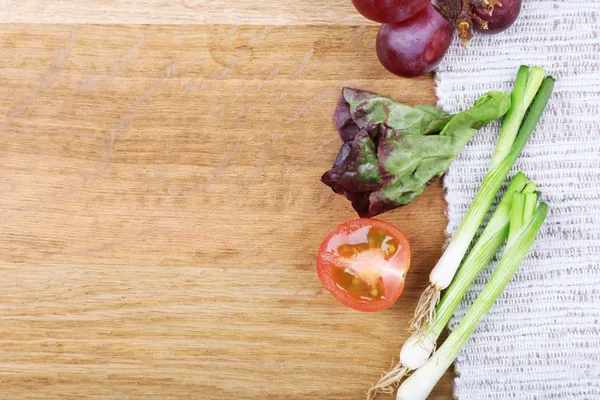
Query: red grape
x=389 y=10
x=415 y=46
x=502 y=17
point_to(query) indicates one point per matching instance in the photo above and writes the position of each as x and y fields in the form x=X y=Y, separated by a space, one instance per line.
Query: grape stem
x=466 y=18
x=464 y=22
x=487 y=4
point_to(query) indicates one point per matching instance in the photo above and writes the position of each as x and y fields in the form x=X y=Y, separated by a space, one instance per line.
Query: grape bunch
x=416 y=34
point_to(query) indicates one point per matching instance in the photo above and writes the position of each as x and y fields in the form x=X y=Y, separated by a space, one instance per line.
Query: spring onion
x=421 y=344
x=420 y=384
x=525 y=88
x=525 y=222
x=418 y=348
x=510 y=144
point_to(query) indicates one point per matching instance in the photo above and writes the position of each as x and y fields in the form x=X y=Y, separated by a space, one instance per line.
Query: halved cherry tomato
x=363 y=263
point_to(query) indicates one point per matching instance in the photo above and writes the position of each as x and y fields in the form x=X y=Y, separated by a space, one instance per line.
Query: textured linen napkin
x=541 y=340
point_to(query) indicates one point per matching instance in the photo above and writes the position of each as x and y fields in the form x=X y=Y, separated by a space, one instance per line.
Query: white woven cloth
x=541 y=340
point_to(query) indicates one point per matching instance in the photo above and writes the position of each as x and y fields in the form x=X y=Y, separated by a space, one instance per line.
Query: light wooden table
x=160 y=203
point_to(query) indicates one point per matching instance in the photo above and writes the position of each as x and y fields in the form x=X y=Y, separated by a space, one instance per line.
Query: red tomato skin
x=324 y=268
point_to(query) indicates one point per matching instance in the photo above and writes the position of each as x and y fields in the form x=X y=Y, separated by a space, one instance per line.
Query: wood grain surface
x=194 y=12
x=160 y=211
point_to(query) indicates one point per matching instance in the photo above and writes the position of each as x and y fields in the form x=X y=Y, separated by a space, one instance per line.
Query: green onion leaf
x=516 y=213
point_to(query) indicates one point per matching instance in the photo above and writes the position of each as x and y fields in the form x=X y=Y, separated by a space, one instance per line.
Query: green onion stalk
x=525 y=221
x=420 y=384
x=418 y=348
x=510 y=143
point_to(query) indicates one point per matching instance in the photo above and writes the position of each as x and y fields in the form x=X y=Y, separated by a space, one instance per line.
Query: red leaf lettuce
x=392 y=151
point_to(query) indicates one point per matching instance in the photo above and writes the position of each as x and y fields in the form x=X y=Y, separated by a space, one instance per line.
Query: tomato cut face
x=363 y=263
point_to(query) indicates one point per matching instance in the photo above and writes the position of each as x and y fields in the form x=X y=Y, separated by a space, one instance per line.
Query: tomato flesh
x=363 y=263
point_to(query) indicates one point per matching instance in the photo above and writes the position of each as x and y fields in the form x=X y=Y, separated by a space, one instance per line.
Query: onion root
x=425 y=311
x=388 y=381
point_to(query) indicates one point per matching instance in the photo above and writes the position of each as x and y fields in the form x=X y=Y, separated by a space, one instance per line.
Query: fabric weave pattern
x=541 y=340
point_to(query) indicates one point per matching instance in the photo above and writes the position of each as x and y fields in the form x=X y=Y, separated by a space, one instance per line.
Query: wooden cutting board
x=160 y=203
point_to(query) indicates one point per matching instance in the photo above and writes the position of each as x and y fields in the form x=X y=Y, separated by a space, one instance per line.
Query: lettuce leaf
x=392 y=151
x=358 y=170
